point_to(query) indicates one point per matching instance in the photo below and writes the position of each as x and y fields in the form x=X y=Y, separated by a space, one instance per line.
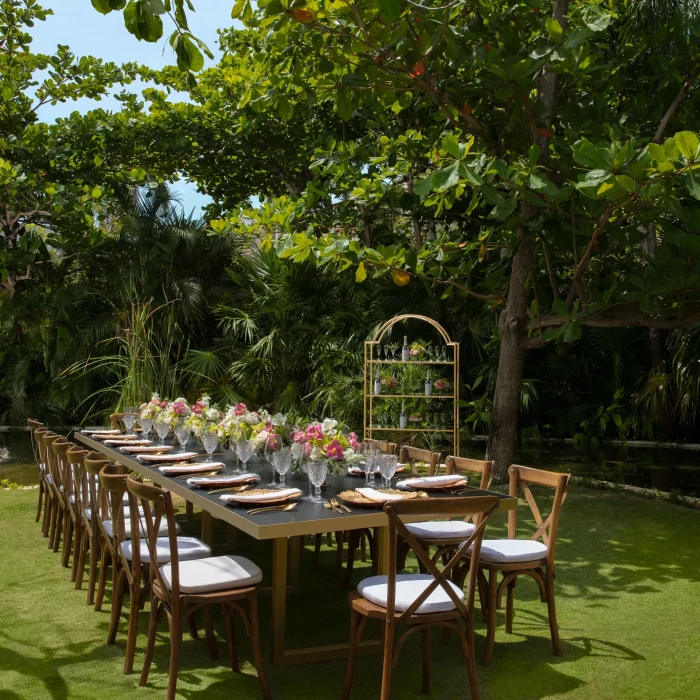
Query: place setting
x=450 y=483
x=266 y=499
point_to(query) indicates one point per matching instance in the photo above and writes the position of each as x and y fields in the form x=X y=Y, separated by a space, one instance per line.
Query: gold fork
x=255 y=511
x=329 y=505
x=232 y=489
x=194 y=475
x=337 y=504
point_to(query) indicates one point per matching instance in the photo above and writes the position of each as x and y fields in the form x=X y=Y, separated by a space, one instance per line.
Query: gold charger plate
x=354 y=498
x=234 y=500
x=436 y=487
x=214 y=482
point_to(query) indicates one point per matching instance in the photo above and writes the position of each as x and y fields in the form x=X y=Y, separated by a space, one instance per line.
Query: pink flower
x=155 y=401
x=299 y=437
x=273 y=441
x=414 y=352
x=314 y=432
x=142 y=406
x=334 y=451
x=269 y=427
x=307 y=449
x=354 y=444
x=239 y=409
x=179 y=408
x=198 y=408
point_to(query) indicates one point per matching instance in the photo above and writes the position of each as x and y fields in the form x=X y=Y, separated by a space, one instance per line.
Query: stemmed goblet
x=146 y=425
x=273 y=444
x=244 y=450
x=210 y=438
x=387 y=468
x=182 y=433
x=162 y=428
x=317 y=475
x=282 y=461
x=129 y=417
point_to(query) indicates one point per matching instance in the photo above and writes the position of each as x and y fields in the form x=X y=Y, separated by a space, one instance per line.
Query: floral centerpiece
x=203 y=416
x=441 y=385
x=153 y=408
x=325 y=442
x=416 y=350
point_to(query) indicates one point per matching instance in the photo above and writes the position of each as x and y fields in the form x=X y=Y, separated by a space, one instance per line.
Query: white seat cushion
x=439 y=529
x=187 y=548
x=88 y=512
x=214 y=574
x=408 y=588
x=162 y=530
x=511 y=551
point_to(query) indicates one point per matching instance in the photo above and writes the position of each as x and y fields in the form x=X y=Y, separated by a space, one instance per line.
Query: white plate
x=191 y=468
x=162 y=459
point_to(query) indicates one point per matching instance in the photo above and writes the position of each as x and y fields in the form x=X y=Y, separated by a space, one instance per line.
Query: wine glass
x=387 y=468
x=429 y=352
x=273 y=444
x=182 y=433
x=387 y=350
x=146 y=425
x=379 y=352
x=282 y=461
x=129 y=417
x=369 y=452
x=317 y=475
x=210 y=438
x=244 y=450
x=162 y=428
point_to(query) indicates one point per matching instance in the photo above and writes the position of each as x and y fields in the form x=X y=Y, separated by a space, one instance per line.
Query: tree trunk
x=416 y=229
x=512 y=326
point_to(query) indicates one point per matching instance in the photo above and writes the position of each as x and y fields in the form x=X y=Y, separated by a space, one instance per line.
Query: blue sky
x=76 y=24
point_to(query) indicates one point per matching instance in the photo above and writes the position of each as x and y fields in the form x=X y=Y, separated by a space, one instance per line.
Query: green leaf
x=422 y=187
x=560 y=309
x=451 y=145
x=470 y=176
x=361 y=273
x=533 y=155
x=237 y=10
x=692 y=185
x=97 y=160
x=590 y=156
x=575 y=38
x=106 y=6
x=687 y=143
x=391 y=9
x=554 y=29
x=626 y=182
x=343 y=104
x=284 y=107
x=657 y=152
x=445 y=178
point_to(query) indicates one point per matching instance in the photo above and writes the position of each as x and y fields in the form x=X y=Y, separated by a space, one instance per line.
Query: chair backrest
x=33 y=425
x=76 y=464
x=410 y=455
x=50 y=458
x=460 y=465
x=113 y=482
x=522 y=477
x=479 y=507
x=387 y=448
x=40 y=447
x=60 y=449
x=156 y=503
x=117 y=421
x=94 y=463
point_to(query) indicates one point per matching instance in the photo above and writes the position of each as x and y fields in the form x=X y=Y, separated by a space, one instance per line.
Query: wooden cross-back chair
x=117 y=420
x=65 y=479
x=446 y=534
x=420 y=601
x=410 y=455
x=384 y=446
x=34 y=425
x=77 y=503
x=514 y=557
x=53 y=477
x=180 y=588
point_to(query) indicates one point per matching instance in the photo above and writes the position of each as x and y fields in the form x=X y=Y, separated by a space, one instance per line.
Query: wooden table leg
x=231 y=536
x=295 y=547
x=279 y=598
x=207 y=524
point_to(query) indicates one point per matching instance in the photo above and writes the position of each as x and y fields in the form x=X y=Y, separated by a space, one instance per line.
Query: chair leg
x=77 y=549
x=101 y=584
x=483 y=587
x=175 y=642
x=189 y=511
x=67 y=540
x=47 y=512
x=59 y=527
x=363 y=546
x=255 y=641
x=132 y=634
x=80 y=565
x=388 y=664
x=551 y=608
x=510 y=595
x=355 y=632
x=352 y=546
x=118 y=580
x=93 y=550
x=209 y=632
x=491 y=610
x=340 y=541
x=193 y=627
x=151 y=642
x=41 y=500
x=52 y=522
x=471 y=661
x=231 y=639
x=426 y=660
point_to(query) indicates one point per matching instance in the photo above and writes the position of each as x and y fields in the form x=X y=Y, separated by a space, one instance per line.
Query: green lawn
x=628 y=595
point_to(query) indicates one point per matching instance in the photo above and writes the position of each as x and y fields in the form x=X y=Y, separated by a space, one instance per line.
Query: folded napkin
x=98 y=431
x=276 y=495
x=187 y=468
x=235 y=479
x=128 y=442
x=378 y=497
x=154 y=449
x=116 y=438
x=178 y=457
x=428 y=481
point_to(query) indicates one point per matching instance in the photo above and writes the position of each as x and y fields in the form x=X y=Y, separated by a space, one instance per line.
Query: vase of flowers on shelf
x=441 y=385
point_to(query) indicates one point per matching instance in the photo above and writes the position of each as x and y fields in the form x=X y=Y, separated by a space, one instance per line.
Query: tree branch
x=674 y=106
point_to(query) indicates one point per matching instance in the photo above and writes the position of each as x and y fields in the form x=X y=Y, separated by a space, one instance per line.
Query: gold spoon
x=255 y=511
x=337 y=504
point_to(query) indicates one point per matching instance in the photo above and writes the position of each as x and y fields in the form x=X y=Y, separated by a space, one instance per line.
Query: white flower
x=279 y=419
x=328 y=426
x=252 y=418
x=316 y=453
x=205 y=399
x=260 y=437
x=212 y=414
x=298 y=450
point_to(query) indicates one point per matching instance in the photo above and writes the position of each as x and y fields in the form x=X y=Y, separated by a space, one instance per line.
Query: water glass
x=273 y=444
x=370 y=453
x=317 y=475
x=210 y=440
x=162 y=428
x=129 y=418
x=146 y=425
x=244 y=450
x=282 y=461
x=182 y=433
x=387 y=468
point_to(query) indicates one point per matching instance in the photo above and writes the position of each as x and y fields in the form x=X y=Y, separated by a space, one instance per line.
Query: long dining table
x=286 y=529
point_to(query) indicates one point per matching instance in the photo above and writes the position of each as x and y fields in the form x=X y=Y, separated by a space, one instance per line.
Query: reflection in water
x=660 y=468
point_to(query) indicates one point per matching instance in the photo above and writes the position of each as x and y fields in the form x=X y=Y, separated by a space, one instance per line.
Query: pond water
x=661 y=468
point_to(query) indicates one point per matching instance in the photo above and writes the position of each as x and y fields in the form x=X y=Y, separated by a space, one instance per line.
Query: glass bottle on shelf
x=377 y=383
x=428 y=384
x=405 y=350
x=402 y=417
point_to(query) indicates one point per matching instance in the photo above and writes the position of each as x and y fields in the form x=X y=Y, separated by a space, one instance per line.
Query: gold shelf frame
x=368 y=387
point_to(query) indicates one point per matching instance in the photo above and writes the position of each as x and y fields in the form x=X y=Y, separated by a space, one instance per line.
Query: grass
x=628 y=595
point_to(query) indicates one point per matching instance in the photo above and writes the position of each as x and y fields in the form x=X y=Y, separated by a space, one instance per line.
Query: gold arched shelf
x=373 y=431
